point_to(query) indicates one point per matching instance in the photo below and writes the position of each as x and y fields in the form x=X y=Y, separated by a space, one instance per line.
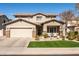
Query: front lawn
x=61 y=43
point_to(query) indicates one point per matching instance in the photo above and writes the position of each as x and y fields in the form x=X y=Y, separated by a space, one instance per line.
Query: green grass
x=47 y=44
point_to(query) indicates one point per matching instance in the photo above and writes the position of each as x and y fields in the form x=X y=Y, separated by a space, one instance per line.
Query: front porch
x=53 y=28
x=52 y=32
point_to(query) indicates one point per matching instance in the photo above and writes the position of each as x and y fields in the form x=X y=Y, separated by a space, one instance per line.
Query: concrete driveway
x=18 y=42
x=19 y=47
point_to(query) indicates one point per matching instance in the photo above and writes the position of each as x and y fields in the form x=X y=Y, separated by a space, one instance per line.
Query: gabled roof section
x=7 y=23
x=52 y=20
x=31 y=15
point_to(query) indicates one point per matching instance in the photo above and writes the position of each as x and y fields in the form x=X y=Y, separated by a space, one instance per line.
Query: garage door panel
x=21 y=33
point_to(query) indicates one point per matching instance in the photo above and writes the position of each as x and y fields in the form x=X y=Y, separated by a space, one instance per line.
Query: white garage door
x=26 y=33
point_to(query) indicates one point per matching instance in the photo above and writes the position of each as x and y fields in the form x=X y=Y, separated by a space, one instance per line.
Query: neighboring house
x=73 y=25
x=30 y=25
x=3 y=19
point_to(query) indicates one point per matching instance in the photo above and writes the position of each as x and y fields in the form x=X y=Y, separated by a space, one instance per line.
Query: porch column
x=7 y=33
x=64 y=31
x=44 y=28
x=61 y=30
x=34 y=33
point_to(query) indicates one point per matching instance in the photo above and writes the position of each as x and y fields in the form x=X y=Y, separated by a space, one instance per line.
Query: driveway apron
x=18 y=42
x=7 y=43
x=22 y=42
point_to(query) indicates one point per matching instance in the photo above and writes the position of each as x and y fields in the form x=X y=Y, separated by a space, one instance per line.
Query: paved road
x=38 y=51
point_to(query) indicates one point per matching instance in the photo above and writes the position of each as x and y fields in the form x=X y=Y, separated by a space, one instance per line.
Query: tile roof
x=31 y=14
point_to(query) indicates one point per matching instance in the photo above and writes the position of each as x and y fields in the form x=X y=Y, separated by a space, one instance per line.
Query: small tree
x=72 y=35
x=77 y=6
x=66 y=16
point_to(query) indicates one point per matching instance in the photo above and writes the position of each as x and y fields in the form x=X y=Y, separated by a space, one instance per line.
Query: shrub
x=76 y=32
x=63 y=38
x=37 y=37
x=45 y=35
x=77 y=37
x=72 y=35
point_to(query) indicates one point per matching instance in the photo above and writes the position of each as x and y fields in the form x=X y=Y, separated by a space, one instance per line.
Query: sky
x=10 y=9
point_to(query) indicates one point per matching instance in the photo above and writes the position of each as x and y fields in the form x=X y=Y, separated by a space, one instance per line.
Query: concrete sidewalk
x=38 y=51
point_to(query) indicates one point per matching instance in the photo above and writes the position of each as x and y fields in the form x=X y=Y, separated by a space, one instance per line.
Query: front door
x=39 y=30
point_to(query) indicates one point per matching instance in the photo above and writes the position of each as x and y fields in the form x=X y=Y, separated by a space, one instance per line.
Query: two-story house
x=3 y=19
x=30 y=25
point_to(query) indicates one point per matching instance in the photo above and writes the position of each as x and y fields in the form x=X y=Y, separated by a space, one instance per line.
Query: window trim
x=38 y=17
x=53 y=29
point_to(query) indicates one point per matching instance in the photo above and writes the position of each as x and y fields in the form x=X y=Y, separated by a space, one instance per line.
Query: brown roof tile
x=30 y=14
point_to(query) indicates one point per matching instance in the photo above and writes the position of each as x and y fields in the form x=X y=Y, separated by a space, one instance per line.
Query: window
x=39 y=17
x=72 y=28
x=29 y=18
x=4 y=21
x=52 y=29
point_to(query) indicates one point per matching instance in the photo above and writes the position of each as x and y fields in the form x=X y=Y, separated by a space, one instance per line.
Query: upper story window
x=4 y=21
x=39 y=18
x=29 y=18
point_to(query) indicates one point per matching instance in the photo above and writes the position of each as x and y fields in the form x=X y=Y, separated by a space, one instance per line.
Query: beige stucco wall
x=77 y=29
x=52 y=23
x=72 y=23
x=20 y=24
x=34 y=19
x=1 y=32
